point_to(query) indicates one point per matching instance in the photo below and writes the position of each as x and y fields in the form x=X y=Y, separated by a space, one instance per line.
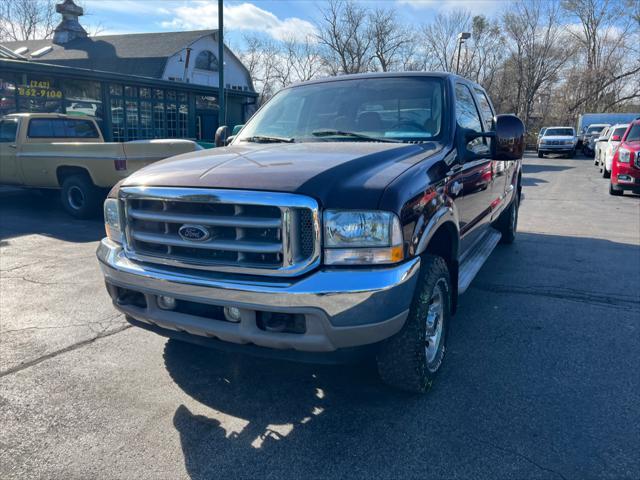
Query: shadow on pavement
x=27 y=212
x=528 y=168
x=520 y=370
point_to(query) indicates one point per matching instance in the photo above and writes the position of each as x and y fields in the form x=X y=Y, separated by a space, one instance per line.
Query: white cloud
x=244 y=16
x=476 y=7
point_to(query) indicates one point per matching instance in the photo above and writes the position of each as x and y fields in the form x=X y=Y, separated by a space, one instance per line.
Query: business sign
x=39 y=89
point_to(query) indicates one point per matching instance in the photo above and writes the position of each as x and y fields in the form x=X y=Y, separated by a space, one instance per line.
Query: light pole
x=462 y=36
x=221 y=103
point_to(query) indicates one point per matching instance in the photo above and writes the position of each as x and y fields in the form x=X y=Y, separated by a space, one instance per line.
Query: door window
x=485 y=109
x=468 y=117
x=8 y=130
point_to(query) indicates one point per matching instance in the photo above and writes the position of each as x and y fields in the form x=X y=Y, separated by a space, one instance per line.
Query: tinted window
x=61 y=128
x=468 y=117
x=619 y=131
x=485 y=109
x=8 y=130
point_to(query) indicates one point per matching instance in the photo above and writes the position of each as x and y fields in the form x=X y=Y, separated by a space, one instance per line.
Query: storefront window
x=158 y=94
x=131 y=92
x=172 y=120
x=117 y=120
x=159 y=123
x=115 y=90
x=39 y=95
x=7 y=95
x=145 y=93
x=82 y=98
x=183 y=117
x=206 y=103
x=146 y=120
x=171 y=95
x=132 y=120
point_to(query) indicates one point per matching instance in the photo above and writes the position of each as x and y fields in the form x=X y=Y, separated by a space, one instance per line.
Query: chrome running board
x=473 y=259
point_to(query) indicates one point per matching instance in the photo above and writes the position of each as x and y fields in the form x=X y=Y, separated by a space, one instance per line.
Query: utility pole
x=222 y=117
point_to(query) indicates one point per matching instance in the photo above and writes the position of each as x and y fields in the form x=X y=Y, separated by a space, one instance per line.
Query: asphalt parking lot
x=541 y=379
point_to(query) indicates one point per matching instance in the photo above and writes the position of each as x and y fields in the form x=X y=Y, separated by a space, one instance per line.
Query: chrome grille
x=243 y=231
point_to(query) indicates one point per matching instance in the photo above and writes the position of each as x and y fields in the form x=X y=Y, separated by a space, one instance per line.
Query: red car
x=625 y=167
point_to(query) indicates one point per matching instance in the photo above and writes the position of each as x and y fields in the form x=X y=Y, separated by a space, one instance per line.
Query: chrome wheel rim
x=75 y=197
x=434 y=321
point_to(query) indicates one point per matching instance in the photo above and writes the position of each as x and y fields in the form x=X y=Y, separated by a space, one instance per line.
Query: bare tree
x=344 y=34
x=301 y=60
x=261 y=57
x=536 y=50
x=26 y=19
x=388 y=37
x=441 y=38
x=608 y=43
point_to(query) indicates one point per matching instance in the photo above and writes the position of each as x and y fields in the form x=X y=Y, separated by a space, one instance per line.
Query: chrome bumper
x=342 y=307
x=555 y=148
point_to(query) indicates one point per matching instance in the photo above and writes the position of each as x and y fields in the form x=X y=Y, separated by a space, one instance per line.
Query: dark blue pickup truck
x=343 y=220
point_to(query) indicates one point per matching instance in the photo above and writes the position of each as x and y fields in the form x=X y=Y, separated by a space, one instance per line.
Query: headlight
x=113 y=219
x=624 y=155
x=362 y=237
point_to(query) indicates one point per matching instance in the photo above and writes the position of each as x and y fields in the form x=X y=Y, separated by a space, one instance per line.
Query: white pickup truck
x=54 y=151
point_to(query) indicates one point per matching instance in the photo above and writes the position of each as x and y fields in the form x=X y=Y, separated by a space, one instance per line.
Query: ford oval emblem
x=194 y=233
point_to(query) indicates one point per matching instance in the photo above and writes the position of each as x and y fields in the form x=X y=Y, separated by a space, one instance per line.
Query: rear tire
x=80 y=197
x=615 y=191
x=540 y=154
x=572 y=153
x=604 y=172
x=411 y=359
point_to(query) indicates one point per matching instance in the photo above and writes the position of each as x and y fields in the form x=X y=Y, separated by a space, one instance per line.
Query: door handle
x=13 y=145
x=456 y=188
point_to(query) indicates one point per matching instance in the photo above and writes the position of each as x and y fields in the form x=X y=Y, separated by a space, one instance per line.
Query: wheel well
x=444 y=243
x=64 y=172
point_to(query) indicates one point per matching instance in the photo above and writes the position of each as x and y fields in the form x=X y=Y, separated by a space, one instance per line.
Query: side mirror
x=222 y=134
x=601 y=139
x=229 y=140
x=508 y=140
x=615 y=138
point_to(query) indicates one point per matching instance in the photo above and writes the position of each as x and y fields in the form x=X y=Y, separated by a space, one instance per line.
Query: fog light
x=625 y=179
x=166 y=303
x=232 y=314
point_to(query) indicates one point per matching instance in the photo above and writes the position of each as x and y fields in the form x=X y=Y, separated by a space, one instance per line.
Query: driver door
x=9 y=168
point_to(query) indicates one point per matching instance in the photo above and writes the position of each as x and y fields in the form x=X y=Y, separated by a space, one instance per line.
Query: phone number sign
x=39 y=89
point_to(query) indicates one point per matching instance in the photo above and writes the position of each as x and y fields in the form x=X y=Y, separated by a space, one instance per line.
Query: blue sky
x=277 y=18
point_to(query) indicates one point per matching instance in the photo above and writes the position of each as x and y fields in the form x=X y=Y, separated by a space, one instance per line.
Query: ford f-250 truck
x=344 y=219
x=55 y=151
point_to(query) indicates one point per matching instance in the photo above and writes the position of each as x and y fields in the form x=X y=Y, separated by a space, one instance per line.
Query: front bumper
x=555 y=148
x=342 y=308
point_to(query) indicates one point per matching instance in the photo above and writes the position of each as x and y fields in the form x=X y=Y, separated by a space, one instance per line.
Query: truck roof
x=47 y=115
x=385 y=75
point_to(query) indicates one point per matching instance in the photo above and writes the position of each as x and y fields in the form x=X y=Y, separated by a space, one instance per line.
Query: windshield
x=385 y=109
x=634 y=133
x=559 y=132
x=596 y=129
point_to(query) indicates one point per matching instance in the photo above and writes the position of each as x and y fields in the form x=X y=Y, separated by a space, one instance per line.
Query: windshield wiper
x=268 y=139
x=341 y=133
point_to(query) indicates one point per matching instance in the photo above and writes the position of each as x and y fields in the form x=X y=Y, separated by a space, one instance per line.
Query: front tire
x=507 y=223
x=80 y=197
x=540 y=154
x=615 y=191
x=411 y=359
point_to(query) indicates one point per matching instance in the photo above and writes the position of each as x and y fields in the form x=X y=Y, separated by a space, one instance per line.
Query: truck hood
x=345 y=174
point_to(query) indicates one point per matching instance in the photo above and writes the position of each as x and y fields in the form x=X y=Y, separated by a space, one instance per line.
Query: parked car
x=590 y=136
x=625 y=164
x=56 y=151
x=587 y=119
x=540 y=134
x=344 y=219
x=558 y=140
x=607 y=145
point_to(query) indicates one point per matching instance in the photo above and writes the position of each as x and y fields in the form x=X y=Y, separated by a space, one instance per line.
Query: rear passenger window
x=468 y=117
x=8 y=130
x=485 y=109
x=61 y=128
